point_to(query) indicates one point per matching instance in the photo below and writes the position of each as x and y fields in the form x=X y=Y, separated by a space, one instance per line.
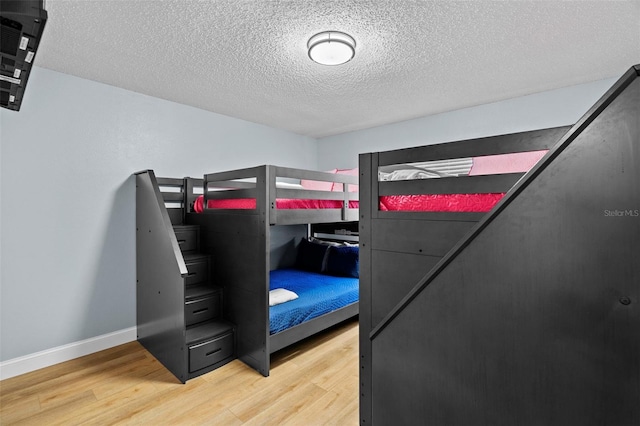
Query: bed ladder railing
x=178 y=195
x=151 y=201
x=160 y=275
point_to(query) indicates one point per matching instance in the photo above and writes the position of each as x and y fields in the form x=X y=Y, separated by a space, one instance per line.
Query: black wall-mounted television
x=22 y=23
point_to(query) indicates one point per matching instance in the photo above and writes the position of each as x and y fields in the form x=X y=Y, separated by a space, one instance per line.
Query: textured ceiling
x=248 y=59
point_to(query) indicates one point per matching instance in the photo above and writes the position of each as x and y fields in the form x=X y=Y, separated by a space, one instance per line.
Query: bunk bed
x=258 y=224
x=521 y=309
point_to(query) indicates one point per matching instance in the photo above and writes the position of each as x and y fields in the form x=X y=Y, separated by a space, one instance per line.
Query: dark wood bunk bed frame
x=528 y=314
x=246 y=244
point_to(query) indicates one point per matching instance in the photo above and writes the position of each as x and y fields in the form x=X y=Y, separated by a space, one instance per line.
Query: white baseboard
x=25 y=364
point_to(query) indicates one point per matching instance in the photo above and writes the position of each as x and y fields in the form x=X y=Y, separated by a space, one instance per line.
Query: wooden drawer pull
x=213 y=352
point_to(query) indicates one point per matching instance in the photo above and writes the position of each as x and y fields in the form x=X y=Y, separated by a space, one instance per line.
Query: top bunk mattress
x=520 y=162
x=441 y=202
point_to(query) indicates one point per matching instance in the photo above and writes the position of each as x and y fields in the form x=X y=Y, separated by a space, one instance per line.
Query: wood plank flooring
x=314 y=382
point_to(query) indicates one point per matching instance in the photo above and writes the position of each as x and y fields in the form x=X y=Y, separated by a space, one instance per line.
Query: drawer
x=198 y=271
x=187 y=238
x=202 y=309
x=208 y=353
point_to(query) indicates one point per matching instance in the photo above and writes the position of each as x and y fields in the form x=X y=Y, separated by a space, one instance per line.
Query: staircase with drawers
x=179 y=307
x=210 y=340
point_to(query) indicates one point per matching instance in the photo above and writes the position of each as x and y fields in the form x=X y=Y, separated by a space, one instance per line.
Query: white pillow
x=289 y=185
x=281 y=295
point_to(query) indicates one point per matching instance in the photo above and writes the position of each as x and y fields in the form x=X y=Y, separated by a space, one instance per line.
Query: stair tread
x=207 y=330
x=194 y=255
x=182 y=227
x=197 y=291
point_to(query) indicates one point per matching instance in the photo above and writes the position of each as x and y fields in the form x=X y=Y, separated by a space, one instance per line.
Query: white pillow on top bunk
x=289 y=185
x=281 y=295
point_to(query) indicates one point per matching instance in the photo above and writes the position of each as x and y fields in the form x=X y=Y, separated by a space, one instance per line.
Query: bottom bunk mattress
x=318 y=294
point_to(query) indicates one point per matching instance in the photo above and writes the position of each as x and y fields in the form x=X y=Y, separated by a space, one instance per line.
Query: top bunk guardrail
x=150 y=200
x=179 y=194
x=284 y=195
x=462 y=180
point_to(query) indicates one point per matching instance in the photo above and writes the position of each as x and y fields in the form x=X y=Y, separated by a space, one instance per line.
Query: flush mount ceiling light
x=331 y=48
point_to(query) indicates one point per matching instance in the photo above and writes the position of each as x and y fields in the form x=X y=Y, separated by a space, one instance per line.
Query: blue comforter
x=318 y=294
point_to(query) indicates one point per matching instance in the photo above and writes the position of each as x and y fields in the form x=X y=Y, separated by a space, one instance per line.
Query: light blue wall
x=546 y=109
x=67 y=213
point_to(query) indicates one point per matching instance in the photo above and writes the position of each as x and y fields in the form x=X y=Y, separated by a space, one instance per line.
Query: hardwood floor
x=314 y=382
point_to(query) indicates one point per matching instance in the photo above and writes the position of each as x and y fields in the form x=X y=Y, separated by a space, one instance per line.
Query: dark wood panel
x=231 y=194
x=166 y=181
x=233 y=174
x=309 y=194
x=252 y=320
x=432 y=238
x=501 y=144
x=173 y=196
x=224 y=212
x=175 y=216
x=283 y=245
x=368 y=208
x=237 y=262
x=535 y=319
x=190 y=186
x=459 y=185
x=159 y=280
x=234 y=223
x=230 y=184
x=396 y=274
x=287 y=172
x=240 y=248
x=290 y=216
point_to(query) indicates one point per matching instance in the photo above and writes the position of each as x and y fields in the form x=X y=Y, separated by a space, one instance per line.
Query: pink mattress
x=519 y=162
x=440 y=202
x=281 y=203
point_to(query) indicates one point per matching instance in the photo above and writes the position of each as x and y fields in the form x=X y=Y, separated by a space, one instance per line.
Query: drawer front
x=204 y=309
x=198 y=272
x=208 y=353
x=187 y=239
